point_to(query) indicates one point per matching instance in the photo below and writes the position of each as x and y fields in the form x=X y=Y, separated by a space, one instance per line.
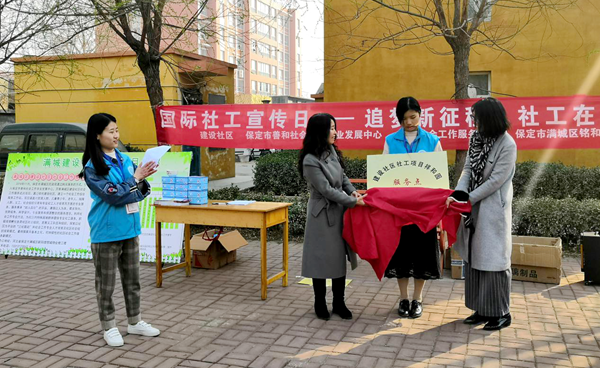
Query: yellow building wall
x=557 y=58
x=73 y=90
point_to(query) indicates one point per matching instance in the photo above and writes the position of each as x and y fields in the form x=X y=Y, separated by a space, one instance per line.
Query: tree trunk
x=150 y=67
x=462 y=51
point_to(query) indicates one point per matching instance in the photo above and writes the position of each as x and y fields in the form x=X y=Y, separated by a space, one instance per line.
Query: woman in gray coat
x=325 y=251
x=484 y=238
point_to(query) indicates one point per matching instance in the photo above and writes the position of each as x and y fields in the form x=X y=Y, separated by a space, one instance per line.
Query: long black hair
x=93 y=150
x=316 y=139
x=490 y=117
x=406 y=104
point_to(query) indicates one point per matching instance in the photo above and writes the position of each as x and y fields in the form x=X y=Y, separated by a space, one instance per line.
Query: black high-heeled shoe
x=475 y=319
x=498 y=323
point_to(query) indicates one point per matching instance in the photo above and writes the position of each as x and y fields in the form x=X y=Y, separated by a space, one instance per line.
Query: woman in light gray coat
x=325 y=251
x=484 y=238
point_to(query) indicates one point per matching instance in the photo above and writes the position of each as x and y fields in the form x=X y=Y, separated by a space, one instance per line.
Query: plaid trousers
x=124 y=255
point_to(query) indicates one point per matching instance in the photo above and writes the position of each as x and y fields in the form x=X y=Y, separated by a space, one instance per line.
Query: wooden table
x=258 y=215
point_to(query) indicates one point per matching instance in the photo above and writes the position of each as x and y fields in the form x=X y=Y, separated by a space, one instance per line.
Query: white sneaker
x=113 y=337
x=143 y=328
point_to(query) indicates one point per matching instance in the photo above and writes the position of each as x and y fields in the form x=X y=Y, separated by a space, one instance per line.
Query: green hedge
x=556 y=180
x=557 y=218
x=278 y=173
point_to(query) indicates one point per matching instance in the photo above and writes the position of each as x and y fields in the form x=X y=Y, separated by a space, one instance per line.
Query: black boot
x=320 y=301
x=339 y=306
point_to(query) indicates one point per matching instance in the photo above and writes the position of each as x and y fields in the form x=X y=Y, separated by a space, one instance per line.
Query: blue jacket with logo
x=425 y=142
x=108 y=217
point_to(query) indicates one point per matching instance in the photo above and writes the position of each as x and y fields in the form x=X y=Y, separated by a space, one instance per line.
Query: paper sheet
x=240 y=203
x=155 y=154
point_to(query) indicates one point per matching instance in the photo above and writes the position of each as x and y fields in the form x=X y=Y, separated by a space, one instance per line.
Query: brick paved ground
x=216 y=319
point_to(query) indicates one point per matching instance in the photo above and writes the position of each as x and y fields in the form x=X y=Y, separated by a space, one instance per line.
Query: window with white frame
x=263 y=8
x=480 y=84
x=263 y=88
x=262 y=29
x=264 y=69
x=253 y=66
x=253 y=86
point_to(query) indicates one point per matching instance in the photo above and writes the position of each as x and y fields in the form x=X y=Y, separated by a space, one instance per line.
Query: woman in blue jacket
x=418 y=254
x=116 y=186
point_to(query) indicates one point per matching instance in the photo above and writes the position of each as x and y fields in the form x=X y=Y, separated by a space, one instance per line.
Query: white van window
x=12 y=143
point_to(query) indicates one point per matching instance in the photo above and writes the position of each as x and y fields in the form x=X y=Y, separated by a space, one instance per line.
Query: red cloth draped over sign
x=374 y=231
x=537 y=123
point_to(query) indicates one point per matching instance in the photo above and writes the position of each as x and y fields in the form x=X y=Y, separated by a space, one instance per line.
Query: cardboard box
x=536 y=259
x=216 y=254
x=457 y=265
x=168 y=194
x=170 y=187
x=168 y=180
x=448 y=259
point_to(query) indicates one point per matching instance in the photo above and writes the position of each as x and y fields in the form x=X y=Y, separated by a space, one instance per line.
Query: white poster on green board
x=44 y=207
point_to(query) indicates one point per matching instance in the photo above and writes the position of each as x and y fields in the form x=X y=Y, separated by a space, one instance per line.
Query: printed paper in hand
x=155 y=154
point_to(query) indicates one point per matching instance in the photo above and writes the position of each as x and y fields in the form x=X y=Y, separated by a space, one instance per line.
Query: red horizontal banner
x=537 y=123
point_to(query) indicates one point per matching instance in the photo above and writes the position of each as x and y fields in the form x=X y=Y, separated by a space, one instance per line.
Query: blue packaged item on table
x=198 y=187
x=181 y=194
x=182 y=180
x=167 y=186
x=168 y=194
x=181 y=187
x=198 y=179
x=168 y=180
x=198 y=201
x=198 y=194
